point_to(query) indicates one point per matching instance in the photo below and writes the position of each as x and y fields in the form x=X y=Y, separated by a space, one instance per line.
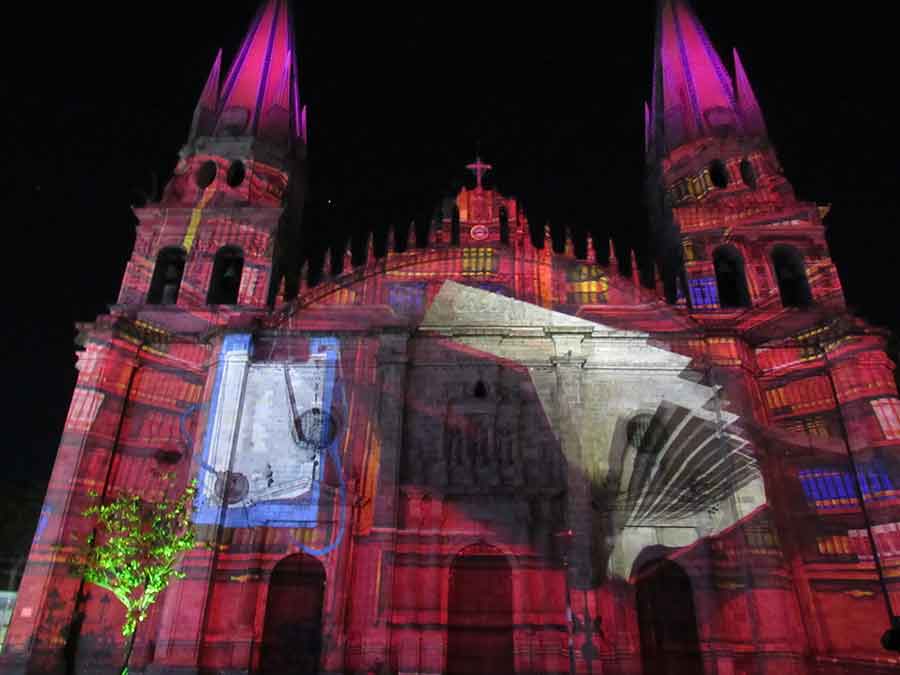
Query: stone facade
x=479 y=455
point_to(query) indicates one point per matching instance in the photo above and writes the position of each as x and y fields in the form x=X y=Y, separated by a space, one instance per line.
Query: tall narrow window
x=731 y=278
x=718 y=172
x=226 y=277
x=748 y=173
x=454 y=227
x=167 y=277
x=504 y=225
x=791 y=274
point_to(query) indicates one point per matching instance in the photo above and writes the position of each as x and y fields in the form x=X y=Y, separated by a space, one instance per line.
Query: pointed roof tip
x=751 y=112
x=260 y=96
x=205 y=112
x=693 y=91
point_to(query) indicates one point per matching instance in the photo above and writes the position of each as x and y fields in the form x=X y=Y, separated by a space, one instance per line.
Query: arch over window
x=167 y=276
x=292 y=635
x=226 y=277
x=454 y=227
x=504 y=225
x=791 y=274
x=731 y=278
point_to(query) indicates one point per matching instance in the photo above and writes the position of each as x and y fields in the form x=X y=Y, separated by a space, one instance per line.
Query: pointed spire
x=347 y=264
x=304 y=276
x=754 y=122
x=327 y=264
x=635 y=270
x=591 y=251
x=260 y=96
x=370 y=250
x=205 y=112
x=391 y=247
x=693 y=92
x=569 y=249
x=411 y=237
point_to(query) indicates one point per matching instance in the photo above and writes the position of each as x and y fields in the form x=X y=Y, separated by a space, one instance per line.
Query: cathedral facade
x=474 y=454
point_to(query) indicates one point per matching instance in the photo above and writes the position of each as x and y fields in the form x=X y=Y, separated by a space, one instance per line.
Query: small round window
x=718 y=172
x=236 y=173
x=748 y=173
x=206 y=174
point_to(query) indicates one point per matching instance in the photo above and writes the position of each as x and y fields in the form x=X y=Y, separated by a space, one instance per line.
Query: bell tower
x=731 y=234
x=228 y=222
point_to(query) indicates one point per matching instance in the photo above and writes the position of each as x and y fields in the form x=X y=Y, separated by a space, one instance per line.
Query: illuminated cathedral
x=472 y=454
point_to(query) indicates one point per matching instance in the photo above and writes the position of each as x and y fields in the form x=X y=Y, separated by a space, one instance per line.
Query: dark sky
x=99 y=96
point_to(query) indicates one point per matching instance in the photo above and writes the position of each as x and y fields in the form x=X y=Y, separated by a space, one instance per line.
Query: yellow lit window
x=478 y=261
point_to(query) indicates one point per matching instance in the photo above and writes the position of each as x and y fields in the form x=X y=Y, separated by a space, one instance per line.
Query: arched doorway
x=292 y=636
x=670 y=643
x=480 y=614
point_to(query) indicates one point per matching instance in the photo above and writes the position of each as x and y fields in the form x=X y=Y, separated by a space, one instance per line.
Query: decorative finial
x=479 y=168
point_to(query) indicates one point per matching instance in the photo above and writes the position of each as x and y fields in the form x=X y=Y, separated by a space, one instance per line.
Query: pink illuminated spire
x=754 y=122
x=693 y=93
x=260 y=96
x=205 y=113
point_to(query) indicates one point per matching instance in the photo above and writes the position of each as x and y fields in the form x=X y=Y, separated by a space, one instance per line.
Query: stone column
x=569 y=359
x=392 y=364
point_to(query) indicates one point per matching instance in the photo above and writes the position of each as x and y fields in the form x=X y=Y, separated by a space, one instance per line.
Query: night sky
x=101 y=101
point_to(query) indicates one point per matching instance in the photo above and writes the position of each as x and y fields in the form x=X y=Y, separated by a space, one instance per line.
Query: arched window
x=718 y=172
x=504 y=225
x=226 y=277
x=454 y=227
x=748 y=173
x=167 y=277
x=791 y=274
x=731 y=279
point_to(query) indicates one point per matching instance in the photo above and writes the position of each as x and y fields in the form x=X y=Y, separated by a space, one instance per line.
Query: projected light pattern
x=478 y=455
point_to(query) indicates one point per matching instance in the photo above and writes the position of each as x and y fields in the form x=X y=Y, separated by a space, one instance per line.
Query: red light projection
x=479 y=456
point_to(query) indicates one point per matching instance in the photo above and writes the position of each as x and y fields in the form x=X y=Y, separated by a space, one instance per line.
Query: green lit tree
x=134 y=549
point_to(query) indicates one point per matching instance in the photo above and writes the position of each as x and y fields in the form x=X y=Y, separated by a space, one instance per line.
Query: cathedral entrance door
x=292 y=636
x=480 y=615
x=670 y=644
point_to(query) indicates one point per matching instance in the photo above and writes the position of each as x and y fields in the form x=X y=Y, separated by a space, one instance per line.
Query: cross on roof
x=479 y=168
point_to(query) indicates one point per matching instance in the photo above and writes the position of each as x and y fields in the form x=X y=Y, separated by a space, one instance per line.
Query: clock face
x=270 y=432
x=479 y=233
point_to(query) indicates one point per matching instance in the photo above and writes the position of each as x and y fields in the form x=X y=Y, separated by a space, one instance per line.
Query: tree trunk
x=128 y=649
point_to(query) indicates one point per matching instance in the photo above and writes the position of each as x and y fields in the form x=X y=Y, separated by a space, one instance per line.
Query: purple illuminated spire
x=205 y=113
x=693 y=94
x=260 y=96
x=754 y=122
